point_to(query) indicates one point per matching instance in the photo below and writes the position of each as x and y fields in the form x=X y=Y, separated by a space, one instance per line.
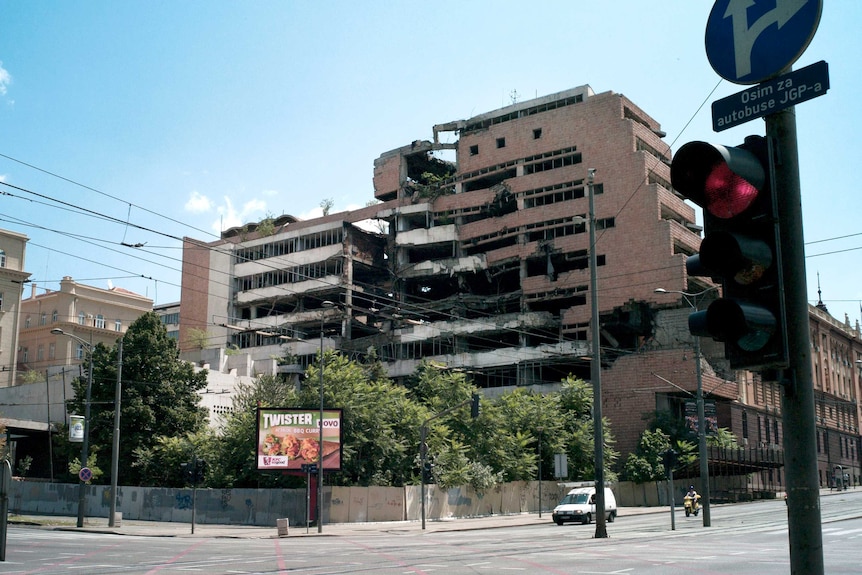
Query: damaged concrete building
x=476 y=257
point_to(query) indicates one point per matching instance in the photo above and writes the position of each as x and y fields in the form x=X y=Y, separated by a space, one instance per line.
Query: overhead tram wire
x=417 y=308
x=92 y=189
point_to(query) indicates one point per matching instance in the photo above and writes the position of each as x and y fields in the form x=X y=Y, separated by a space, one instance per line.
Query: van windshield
x=574 y=498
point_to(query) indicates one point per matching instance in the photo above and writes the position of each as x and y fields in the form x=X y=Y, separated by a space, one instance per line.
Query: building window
x=40 y=353
x=100 y=321
x=52 y=350
x=2 y=259
x=118 y=325
x=474 y=150
x=80 y=318
x=27 y=322
x=1 y=301
x=25 y=355
x=79 y=351
x=537 y=133
x=501 y=142
x=54 y=316
x=43 y=318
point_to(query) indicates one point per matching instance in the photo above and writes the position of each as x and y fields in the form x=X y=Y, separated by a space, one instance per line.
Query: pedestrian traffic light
x=740 y=248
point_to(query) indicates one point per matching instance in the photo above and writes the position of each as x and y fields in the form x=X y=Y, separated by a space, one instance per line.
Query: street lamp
x=691 y=300
x=115 y=447
x=324 y=305
x=85 y=445
x=596 y=368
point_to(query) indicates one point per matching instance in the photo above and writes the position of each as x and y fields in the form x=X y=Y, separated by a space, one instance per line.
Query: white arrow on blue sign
x=749 y=41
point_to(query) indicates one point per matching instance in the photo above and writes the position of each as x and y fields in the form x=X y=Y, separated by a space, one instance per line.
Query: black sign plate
x=771 y=97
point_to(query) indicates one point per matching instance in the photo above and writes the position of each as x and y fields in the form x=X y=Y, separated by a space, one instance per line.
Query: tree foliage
x=159 y=398
x=382 y=424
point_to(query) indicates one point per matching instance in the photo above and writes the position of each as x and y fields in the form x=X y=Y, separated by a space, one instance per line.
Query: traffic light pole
x=797 y=406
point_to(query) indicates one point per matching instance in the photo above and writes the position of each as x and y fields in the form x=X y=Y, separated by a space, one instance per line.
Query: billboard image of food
x=289 y=439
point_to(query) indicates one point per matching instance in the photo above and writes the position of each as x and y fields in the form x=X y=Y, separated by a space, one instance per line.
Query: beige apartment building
x=90 y=316
x=12 y=279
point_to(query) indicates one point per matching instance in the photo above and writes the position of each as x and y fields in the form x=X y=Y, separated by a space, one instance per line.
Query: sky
x=125 y=126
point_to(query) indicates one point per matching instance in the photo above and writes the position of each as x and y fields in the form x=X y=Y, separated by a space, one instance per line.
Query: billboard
x=289 y=438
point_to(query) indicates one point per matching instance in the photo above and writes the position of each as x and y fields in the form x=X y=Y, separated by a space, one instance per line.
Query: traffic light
x=474 y=406
x=428 y=473
x=187 y=472
x=669 y=460
x=740 y=248
x=200 y=470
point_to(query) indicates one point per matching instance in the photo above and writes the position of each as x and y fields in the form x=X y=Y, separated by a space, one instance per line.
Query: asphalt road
x=743 y=539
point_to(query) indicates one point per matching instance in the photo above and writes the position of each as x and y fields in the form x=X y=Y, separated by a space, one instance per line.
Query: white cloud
x=198 y=203
x=230 y=217
x=5 y=79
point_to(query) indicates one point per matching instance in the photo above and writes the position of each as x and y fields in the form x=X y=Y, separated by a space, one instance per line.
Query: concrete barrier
x=265 y=507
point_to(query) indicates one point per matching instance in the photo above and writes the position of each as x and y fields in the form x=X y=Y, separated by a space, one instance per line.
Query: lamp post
x=115 y=447
x=691 y=300
x=85 y=445
x=324 y=305
x=596 y=369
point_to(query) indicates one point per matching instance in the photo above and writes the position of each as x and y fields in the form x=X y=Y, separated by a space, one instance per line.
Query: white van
x=580 y=505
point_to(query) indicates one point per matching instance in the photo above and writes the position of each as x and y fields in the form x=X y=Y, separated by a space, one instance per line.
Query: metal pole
x=670 y=495
x=797 y=405
x=540 y=472
x=596 y=371
x=85 y=446
x=701 y=434
x=115 y=448
x=423 y=457
x=320 y=438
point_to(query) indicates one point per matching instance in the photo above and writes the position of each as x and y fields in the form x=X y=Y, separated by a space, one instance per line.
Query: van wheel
x=588 y=519
x=611 y=516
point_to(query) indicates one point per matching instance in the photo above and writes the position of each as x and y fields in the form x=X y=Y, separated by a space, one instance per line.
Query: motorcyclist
x=691 y=504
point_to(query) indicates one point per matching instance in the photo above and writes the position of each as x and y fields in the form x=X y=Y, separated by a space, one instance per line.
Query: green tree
x=576 y=407
x=380 y=423
x=232 y=460
x=159 y=395
x=161 y=462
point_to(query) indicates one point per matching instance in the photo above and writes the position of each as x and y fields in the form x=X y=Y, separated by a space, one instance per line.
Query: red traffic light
x=723 y=181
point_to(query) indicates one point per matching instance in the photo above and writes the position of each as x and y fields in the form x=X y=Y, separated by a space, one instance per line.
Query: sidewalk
x=165 y=529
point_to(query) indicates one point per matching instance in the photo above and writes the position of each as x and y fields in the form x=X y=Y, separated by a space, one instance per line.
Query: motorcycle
x=692 y=504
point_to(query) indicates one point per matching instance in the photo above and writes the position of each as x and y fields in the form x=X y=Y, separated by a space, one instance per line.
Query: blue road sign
x=770 y=97
x=749 y=41
x=85 y=474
